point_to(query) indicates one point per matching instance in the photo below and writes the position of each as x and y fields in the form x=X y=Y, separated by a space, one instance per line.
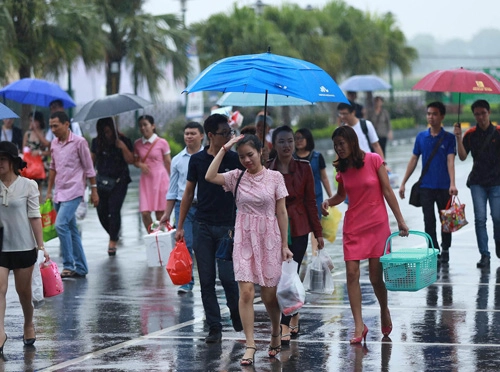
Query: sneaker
x=214 y=336
x=185 y=288
x=445 y=256
x=497 y=246
x=236 y=320
x=484 y=262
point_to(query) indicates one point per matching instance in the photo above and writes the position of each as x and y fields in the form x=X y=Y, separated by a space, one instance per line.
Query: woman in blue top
x=304 y=150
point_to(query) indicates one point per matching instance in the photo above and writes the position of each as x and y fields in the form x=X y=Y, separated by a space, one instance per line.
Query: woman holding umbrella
x=152 y=156
x=301 y=207
x=111 y=153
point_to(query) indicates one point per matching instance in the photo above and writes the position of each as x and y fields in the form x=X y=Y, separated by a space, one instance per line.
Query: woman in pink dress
x=260 y=238
x=152 y=156
x=363 y=177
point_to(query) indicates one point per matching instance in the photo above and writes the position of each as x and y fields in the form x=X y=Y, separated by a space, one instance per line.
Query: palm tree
x=143 y=41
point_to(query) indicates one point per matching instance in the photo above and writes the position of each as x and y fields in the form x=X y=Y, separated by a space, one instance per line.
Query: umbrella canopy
x=110 y=105
x=269 y=73
x=7 y=113
x=257 y=99
x=364 y=83
x=459 y=80
x=36 y=92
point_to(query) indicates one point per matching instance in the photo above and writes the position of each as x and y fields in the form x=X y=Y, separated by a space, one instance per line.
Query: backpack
x=364 y=128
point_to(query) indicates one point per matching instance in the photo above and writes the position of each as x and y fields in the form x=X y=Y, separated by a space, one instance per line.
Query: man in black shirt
x=483 y=142
x=214 y=216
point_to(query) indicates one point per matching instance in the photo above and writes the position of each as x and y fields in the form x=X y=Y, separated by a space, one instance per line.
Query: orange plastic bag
x=180 y=264
x=35 y=169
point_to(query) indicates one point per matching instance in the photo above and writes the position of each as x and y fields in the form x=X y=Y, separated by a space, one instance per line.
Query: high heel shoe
x=386 y=330
x=29 y=341
x=248 y=361
x=274 y=350
x=1 y=348
x=357 y=340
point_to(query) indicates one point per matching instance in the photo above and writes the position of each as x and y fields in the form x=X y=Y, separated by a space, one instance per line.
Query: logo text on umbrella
x=480 y=87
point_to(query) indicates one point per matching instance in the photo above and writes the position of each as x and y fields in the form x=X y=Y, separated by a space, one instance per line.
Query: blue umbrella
x=7 y=113
x=268 y=73
x=36 y=92
x=364 y=83
x=255 y=99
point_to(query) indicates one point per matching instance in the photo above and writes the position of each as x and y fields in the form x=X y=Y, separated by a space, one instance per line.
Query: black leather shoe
x=214 y=336
x=484 y=262
x=445 y=256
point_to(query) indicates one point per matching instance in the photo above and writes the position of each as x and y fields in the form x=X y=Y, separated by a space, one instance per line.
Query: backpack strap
x=364 y=128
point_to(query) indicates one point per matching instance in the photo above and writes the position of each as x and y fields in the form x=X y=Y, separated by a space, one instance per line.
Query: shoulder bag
x=415 y=189
x=225 y=247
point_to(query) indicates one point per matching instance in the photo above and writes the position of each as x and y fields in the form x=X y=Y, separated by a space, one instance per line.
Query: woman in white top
x=21 y=227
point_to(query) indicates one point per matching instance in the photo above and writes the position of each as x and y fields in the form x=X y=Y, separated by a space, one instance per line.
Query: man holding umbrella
x=483 y=142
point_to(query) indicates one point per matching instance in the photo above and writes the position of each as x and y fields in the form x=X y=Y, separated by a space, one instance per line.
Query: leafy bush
x=403 y=123
x=323 y=132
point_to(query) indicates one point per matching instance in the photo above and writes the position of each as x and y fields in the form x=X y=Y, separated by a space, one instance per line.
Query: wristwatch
x=42 y=248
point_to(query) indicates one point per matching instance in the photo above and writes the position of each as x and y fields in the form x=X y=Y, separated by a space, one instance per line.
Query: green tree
x=143 y=41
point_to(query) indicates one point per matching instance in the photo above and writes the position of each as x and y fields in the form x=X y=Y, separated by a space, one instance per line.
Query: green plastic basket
x=409 y=269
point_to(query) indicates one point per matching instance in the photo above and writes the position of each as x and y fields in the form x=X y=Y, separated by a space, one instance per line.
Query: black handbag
x=225 y=247
x=415 y=189
x=105 y=183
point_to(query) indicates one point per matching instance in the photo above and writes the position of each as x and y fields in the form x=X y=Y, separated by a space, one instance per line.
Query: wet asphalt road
x=126 y=316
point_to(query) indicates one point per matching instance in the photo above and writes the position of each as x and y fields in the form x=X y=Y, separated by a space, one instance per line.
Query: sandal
x=275 y=349
x=66 y=273
x=248 y=361
x=294 y=330
x=111 y=251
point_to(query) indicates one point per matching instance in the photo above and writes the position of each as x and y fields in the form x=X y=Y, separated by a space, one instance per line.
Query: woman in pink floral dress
x=152 y=156
x=260 y=239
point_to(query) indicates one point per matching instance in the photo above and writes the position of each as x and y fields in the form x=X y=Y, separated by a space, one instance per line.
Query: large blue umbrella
x=255 y=99
x=364 y=83
x=36 y=92
x=269 y=73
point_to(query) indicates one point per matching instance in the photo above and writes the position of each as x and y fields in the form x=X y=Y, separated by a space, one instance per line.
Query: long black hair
x=357 y=155
x=102 y=142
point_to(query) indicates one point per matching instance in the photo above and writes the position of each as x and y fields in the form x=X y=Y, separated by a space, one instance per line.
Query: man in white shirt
x=368 y=140
x=193 y=137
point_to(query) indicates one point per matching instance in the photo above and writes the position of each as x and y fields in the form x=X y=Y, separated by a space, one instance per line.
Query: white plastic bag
x=290 y=292
x=318 y=278
x=36 y=279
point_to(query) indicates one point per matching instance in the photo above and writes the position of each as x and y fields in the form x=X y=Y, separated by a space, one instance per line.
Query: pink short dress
x=257 y=240
x=153 y=187
x=366 y=222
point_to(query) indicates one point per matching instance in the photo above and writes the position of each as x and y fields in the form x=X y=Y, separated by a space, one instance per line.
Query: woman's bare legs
x=376 y=278
x=4 y=283
x=22 y=278
x=146 y=219
x=245 y=304
x=354 y=292
x=268 y=295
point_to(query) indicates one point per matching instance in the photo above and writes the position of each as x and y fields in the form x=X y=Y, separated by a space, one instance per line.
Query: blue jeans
x=480 y=196
x=429 y=199
x=206 y=239
x=188 y=229
x=71 y=242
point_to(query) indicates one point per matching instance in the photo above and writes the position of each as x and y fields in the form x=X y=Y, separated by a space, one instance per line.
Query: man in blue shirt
x=438 y=182
x=213 y=218
x=193 y=137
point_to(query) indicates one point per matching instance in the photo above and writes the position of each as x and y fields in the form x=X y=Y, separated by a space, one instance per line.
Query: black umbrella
x=110 y=106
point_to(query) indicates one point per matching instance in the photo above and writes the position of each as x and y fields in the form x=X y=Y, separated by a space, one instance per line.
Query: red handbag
x=35 y=169
x=180 y=264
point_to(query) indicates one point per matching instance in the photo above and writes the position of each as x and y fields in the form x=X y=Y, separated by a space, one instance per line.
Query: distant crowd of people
x=279 y=180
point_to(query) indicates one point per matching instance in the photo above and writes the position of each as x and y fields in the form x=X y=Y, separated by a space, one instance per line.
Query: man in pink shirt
x=71 y=165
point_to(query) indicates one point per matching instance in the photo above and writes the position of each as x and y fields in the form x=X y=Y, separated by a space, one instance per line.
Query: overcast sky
x=445 y=19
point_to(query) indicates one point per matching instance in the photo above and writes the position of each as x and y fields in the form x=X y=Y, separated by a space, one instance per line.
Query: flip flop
x=67 y=273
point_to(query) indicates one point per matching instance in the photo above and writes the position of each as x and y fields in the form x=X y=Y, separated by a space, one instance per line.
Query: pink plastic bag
x=52 y=282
